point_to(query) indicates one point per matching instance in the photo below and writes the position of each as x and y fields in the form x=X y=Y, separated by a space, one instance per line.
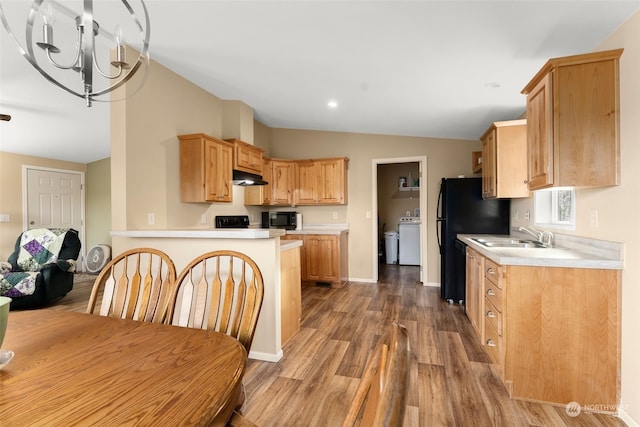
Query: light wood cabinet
x=257 y=195
x=573 y=114
x=283 y=182
x=246 y=157
x=321 y=181
x=205 y=168
x=552 y=332
x=324 y=257
x=473 y=289
x=302 y=182
x=504 y=157
x=290 y=292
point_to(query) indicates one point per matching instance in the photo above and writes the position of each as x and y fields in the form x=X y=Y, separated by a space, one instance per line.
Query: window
x=555 y=208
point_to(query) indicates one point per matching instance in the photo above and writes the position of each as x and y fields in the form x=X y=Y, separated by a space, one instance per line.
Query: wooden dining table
x=81 y=369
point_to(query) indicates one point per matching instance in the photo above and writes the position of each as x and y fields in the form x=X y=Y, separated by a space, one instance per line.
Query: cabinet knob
x=490 y=292
x=490 y=314
x=491 y=343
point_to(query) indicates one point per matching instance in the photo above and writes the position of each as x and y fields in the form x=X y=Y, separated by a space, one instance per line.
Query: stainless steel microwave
x=279 y=219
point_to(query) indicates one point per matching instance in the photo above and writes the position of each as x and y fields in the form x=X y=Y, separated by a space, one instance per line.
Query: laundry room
x=399 y=213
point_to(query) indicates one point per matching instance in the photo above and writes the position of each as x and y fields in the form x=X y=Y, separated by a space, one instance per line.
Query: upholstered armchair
x=41 y=267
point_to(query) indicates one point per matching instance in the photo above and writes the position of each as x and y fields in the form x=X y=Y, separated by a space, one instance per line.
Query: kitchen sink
x=507 y=243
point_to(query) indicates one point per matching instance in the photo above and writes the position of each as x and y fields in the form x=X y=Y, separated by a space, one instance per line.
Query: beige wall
x=11 y=193
x=617 y=208
x=98 y=203
x=445 y=158
x=145 y=152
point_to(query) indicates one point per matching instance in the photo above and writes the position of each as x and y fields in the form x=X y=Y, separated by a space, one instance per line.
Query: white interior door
x=54 y=199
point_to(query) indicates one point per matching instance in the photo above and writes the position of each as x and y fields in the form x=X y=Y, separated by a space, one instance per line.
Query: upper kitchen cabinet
x=205 y=168
x=504 y=160
x=573 y=122
x=321 y=181
x=283 y=182
x=257 y=195
x=246 y=157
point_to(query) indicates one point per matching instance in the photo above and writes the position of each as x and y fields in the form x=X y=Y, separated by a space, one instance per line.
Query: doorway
x=54 y=198
x=412 y=198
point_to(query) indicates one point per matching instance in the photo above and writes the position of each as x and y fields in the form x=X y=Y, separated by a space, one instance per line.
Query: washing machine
x=409 y=240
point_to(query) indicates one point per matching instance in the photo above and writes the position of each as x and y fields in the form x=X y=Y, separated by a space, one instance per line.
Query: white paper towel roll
x=298 y=221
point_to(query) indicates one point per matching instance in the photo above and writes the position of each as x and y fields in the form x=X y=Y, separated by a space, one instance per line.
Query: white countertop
x=577 y=253
x=285 y=245
x=197 y=233
x=333 y=229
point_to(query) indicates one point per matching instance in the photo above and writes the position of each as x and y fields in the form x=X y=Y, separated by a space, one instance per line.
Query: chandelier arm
x=75 y=60
x=26 y=55
x=142 y=56
x=102 y=73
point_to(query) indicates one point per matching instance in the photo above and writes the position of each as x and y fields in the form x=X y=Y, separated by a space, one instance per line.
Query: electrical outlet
x=527 y=215
x=368 y=215
x=334 y=215
x=203 y=219
x=151 y=218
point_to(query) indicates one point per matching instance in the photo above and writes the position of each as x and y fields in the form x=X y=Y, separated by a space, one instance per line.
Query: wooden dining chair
x=382 y=393
x=221 y=291
x=137 y=284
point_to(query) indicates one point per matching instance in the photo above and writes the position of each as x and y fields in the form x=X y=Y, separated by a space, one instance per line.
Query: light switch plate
x=5 y=217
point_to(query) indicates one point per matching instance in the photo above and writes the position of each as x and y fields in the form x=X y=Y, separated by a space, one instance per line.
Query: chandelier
x=97 y=76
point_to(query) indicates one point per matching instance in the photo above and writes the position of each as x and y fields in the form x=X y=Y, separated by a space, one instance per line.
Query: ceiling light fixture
x=332 y=104
x=84 y=59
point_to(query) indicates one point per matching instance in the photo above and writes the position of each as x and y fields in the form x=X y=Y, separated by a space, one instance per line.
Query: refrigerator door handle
x=439 y=219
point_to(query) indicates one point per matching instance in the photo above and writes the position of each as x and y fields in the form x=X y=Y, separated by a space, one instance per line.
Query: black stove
x=232 y=221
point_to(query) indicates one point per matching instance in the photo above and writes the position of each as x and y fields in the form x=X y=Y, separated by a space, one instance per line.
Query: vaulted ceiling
x=421 y=68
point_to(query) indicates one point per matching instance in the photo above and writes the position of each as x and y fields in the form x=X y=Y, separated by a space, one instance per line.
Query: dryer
x=409 y=241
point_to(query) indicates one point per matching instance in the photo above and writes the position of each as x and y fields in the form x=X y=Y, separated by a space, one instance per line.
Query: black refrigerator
x=462 y=210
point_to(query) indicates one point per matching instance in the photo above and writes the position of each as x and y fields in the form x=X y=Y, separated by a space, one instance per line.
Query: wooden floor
x=452 y=380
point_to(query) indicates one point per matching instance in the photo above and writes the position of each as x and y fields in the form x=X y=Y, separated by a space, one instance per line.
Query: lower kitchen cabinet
x=290 y=293
x=473 y=284
x=324 y=257
x=553 y=332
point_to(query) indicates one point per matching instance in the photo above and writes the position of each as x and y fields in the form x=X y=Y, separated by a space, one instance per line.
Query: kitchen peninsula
x=262 y=245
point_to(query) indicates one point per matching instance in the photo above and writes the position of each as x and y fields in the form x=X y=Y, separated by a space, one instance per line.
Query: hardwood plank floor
x=452 y=380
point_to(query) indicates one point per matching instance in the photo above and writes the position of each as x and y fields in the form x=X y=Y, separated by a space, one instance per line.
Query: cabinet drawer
x=493 y=273
x=493 y=344
x=494 y=295
x=493 y=316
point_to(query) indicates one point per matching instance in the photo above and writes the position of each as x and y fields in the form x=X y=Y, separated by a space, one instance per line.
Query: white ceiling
x=417 y=68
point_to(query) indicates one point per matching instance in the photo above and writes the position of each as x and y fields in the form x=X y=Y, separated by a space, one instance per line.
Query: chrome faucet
x=544 y=237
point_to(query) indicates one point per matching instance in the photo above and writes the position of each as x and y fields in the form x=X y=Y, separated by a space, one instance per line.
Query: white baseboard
x=627 y=419
x=433 y=284
x=266 y=357
x=360 y=280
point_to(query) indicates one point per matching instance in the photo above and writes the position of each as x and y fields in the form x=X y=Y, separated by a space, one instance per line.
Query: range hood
x=247 y=179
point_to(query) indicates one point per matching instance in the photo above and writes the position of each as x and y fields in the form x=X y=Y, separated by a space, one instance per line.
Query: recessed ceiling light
x=332 y=104
x=492 y=85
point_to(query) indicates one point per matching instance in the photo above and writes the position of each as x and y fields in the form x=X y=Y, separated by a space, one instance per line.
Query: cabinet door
x=329 y=261
x=283 y=180
x=218 y=159
x=306 y=183
x=473 y=306
x=332 y=185
x=312 y=258
x=260 y=194
x=539 y=134
x=489 y=170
